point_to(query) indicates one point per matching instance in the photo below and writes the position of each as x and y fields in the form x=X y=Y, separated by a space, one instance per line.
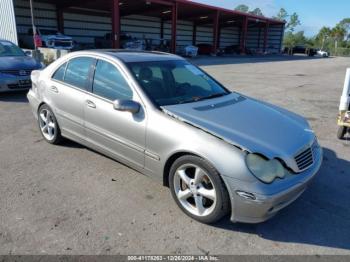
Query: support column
x=244 y=35
x=60 y=20
x=173 y=28
x=162 y=28
x=216 y=32
x=266 y=35
x=194 y=34
x=115 y=24
x=259 y=37
x=281 y=39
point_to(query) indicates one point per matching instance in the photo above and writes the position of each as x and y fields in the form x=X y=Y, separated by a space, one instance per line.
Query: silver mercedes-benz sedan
x=218 y=151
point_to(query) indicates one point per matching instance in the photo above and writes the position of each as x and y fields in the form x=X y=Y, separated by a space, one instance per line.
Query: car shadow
x=237 y=59
x=321 y=216
x=17 y=97
x=71 y=144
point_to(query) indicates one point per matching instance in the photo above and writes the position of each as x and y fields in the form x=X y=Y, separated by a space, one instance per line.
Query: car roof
x=129 y=56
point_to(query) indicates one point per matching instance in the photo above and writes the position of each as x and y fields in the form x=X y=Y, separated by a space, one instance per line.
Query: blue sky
x=313 y=13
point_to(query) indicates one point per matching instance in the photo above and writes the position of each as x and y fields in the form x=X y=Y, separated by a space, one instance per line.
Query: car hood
x=247 y=123
x=19 y=63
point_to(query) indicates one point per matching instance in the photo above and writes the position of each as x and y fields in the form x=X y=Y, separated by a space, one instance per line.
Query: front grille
x=307 y=157
x=23 y=84
x=16 y=72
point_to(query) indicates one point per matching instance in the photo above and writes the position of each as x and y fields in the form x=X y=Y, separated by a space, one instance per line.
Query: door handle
x=90 y=104
x=54 y=89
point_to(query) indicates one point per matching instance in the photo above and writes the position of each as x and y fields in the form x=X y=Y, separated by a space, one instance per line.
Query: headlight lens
x=265 y=170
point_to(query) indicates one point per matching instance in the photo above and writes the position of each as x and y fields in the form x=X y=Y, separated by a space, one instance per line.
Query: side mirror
x=126 y=106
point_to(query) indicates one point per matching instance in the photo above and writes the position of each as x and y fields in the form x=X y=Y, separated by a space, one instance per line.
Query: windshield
x=175 y=82
x=9 y=49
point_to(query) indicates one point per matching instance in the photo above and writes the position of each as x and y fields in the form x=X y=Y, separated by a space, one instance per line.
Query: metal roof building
x=182 y=22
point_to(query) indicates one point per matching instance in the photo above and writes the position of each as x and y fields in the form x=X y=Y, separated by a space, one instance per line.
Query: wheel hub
x=193 y=188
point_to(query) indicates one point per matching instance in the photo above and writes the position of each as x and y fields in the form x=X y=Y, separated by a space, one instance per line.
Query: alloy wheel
x=47 y=124
x=195 y=190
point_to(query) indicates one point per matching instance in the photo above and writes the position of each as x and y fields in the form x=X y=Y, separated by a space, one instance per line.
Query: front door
x=120 y=133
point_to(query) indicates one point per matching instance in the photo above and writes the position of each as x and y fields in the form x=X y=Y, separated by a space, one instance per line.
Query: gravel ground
x=70 y=200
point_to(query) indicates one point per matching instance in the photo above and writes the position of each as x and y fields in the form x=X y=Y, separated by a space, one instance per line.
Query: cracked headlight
x=265 y=170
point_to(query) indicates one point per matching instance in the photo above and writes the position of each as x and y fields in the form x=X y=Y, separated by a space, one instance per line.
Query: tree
x=345 y=23
x=338 y=33
x=322 y=36
x=257 y=11
x=242 y=8
x=282 y=15
x=293 y=22
x=292 y=39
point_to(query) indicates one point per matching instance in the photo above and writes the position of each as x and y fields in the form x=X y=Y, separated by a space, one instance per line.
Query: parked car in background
x=232 y=49
x=15 y=67
x=217 y=150
x=205 y=49
x=322 y=53
x=50 y=38
x=105 y=41
x=300 y=49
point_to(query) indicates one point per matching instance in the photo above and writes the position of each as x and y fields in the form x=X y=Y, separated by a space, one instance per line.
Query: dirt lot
x=70 y=200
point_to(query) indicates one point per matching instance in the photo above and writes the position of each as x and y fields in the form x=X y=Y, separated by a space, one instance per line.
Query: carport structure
x=252 y=31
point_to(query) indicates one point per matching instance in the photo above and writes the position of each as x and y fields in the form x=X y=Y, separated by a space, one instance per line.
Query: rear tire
x=198 y=189
x=341 y=132
x=48 y=125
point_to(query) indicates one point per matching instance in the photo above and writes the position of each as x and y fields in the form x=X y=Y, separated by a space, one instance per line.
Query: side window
x=77 y=71
x=59 y=74
x=110 y=83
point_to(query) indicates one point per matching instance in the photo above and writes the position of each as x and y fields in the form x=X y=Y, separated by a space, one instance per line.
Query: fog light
x=246 y=195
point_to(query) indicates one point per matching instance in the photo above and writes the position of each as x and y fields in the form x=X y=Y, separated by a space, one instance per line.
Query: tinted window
x=59 y=74
x=109 y=82
x=77 y=71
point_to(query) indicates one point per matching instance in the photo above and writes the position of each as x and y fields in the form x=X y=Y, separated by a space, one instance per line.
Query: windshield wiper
x=211 y=96
x=196 y=99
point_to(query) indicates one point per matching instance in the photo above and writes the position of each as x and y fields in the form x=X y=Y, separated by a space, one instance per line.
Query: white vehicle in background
x=344 y=108
x=322 y=53
x=50 y=38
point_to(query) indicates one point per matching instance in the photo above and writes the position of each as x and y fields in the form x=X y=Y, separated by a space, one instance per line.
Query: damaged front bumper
x=259 y=202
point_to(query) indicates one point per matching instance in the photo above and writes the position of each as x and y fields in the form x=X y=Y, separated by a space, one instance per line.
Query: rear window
x=59 y=74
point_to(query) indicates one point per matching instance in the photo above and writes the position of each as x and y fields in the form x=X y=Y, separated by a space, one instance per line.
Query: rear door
x=119 y=133
x=67 y=94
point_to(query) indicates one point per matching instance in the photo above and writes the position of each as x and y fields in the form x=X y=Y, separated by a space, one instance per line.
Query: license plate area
x=24 y=82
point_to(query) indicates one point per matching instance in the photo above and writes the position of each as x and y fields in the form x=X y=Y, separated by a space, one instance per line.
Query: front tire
x=198 y=190
x=341 y=132
x=48 y=125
